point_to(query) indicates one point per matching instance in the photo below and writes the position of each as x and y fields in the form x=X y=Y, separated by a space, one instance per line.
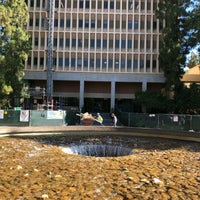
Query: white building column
x=81 y=95
x=144 y=86
x=112 y=97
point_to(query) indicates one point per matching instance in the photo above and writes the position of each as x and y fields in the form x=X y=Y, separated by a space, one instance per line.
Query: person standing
x=99 y=119
x=114 y=119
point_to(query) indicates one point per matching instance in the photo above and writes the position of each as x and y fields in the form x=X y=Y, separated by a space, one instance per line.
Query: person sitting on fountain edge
x=99 y=119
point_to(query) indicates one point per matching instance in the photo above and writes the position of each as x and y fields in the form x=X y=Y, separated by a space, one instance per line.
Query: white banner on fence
x=24 y=115
x=54 y=114
x=1 y=114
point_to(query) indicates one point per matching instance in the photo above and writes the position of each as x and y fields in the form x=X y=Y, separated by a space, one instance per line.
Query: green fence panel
x=174 y=122
x=12 y=118
x=143 y=120
x=195 y=123
x=72 y=118
x=47 y=118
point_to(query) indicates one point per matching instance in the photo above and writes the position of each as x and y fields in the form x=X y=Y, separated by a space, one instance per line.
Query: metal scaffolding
x=51 y=9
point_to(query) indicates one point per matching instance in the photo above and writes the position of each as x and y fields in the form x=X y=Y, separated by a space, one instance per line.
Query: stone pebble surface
x=37 y=168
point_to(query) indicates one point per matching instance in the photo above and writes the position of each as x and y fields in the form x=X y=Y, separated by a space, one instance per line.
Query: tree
x=14 y=48
x=193 y=60
x=178 y=38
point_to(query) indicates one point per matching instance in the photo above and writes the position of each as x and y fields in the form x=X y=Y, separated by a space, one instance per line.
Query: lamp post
x=51 y=8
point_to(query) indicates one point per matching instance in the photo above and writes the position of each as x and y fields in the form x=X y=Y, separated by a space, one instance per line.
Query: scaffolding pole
x=51 y=9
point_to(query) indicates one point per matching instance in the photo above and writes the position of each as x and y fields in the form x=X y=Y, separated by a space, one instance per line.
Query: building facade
x=103 y=51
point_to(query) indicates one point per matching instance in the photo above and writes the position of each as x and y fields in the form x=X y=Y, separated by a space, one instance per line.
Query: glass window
x=54 y=61
x=35 y=61
x=136 y=24
x=32 y=3
x=79 y=62
x=136 y=5
x=61 y=22
x=85 y=62
x=104 y=44
x=55 y=42
x=130 y=24
x=73 y=62
x=41 y=61
x=92 y=43
x=141 y=63
x=117 y=24
x=61 y=42
x=87 y=4
x=60 y=62
x=117 y=44
x=91 y=62
x=135 y=64
x=123 y=63
x=80 y=4
x=129 y=44
x=87 y=23
x=105 y=5
x=123 y=44
x=97 y=62
x=98 y=43
x=66 y=61
x=112 y=5
x=110 y=62
x=104 y=63
x=31 y=22
x=74 y=3
x=124 y=5
x=118 y=5
x=98 y=23
x=67 y=43
x=74 y=23
x=111 y=24
x=99 y=4
x=38 y=3
x=93 y=4
x=80 y=23
x=128 y=63
x=105 y=24
x=37 y=22
x=92 y=23
x=69 y=4
x=36 y=41
x=79 y=43
x=68 y=23
x=56 y=23
x=73 y=42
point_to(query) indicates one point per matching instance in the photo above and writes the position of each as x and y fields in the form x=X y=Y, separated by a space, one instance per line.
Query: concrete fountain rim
x=8 y=131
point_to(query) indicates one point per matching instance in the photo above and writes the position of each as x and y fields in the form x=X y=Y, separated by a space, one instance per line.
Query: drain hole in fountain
x=98 y=150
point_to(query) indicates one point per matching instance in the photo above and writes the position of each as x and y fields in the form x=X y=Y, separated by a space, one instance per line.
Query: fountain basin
x=98 y=150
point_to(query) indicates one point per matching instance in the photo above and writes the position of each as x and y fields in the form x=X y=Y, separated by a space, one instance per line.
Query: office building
x=103 y=51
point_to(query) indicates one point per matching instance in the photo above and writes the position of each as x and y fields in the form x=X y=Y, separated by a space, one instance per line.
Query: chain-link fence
x=160 y=121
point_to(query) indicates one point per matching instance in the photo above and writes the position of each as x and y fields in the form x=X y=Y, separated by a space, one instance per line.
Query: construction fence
x=32 y=118
x=64 y=118
x=160 y=121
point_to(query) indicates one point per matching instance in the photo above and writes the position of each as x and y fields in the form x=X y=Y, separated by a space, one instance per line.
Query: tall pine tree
x=14 y=47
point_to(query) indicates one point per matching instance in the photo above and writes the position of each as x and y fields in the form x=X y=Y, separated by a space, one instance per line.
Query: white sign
x=54 y=114
x=24 y=115
x=1 y=114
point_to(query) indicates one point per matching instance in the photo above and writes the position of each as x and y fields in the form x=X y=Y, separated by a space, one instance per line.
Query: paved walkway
x=42 y=130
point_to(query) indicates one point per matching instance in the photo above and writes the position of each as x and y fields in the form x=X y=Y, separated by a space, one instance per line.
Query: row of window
x=97 y=63
x=105 y=24
x=99 y=4
x=98 y=43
